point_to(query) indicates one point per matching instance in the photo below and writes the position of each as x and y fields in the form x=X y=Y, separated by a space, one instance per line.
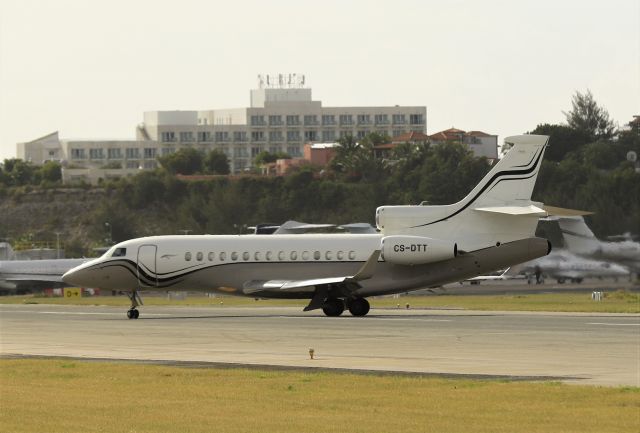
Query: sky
x=89 y=69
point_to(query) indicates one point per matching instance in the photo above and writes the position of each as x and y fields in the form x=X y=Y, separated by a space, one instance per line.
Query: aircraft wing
x=54 y=278
x=348 y=283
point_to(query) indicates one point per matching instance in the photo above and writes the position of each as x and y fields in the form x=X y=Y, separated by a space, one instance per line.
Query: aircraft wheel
x=133 y=314
x=359 y=307
x=333 y=307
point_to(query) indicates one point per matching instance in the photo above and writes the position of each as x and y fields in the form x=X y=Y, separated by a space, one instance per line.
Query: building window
x=310 y=135
x=275 y=136
x=222 y=136
x=311 y=119
x=77 y=154
x=149 y=165
x=257 y=121
x=399 y=119
x=186 y=136
x=255 y=151
x=275 y=120
x=167 y=151
x=346 y=119
x=239 y=136
x=274 y=149
x=294 y=151
x=328 y=119
x=225 y=150
x=416 y=119
x=293 y=135
x=328 y=135
x=149 y=152
x=96 y=154
x=167 y=137
x=132 y=153
x=204 y=136
x=114 y=153
x=133 y=164
x=240 y=152
x=257 y=135
x=398 y=132
x=381 y=119
x=361 y=133
x=293 y=120
x=364 y=119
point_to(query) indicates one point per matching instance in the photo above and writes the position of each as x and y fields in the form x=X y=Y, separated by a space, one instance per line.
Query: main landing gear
x=136 y=300
x=334 y=307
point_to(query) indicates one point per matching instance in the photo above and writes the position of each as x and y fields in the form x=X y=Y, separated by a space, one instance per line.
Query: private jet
x=493 y=227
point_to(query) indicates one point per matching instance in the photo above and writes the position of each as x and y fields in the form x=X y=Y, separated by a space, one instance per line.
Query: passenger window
x=281 y=255
x=269 y=255
x=256 y=256
x=119 y=252
x=246 y=256
x=211 y=257
x=352 y=255
x=294 y=255
x=305 y=255
x=223 y=256
x=328 y=255
x=316 y=255
x=340 y=255
x=234 y=256
x=187 y=256
x=199 y=256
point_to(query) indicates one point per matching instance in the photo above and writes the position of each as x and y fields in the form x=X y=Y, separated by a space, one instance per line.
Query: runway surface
x=584 y=348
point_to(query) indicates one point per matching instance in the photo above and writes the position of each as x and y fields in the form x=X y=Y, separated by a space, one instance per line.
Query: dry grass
x=615 y=302
x=71 y=396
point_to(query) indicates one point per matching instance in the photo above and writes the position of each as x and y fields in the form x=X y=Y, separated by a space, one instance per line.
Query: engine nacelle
x=416 y=250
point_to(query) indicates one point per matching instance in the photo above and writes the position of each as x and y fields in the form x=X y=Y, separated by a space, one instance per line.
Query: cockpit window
x=119 y=252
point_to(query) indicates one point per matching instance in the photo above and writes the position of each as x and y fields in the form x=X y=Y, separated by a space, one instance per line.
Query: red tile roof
x=478 y=134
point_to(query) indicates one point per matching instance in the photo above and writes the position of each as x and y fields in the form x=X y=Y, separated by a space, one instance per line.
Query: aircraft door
x=146 y=266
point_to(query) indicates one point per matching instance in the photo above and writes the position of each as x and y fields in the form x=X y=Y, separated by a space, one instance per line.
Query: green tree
x=184 y=161
x=588 y=117
x=562 y=140
x=216 y=162
x=51 y=172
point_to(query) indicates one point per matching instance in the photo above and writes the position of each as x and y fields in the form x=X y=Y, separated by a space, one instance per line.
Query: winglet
x=367 y=270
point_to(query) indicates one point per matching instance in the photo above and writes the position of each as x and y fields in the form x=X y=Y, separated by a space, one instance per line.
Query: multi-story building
x=279 y=119
x=481 y=143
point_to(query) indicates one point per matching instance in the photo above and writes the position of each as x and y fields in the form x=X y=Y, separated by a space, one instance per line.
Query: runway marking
x=76 y=313
x=614 y=324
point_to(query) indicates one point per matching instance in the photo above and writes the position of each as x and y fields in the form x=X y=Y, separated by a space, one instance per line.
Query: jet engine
x=416 y=250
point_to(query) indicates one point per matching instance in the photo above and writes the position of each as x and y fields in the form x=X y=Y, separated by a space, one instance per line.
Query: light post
x=110 y=240
x=57 y=244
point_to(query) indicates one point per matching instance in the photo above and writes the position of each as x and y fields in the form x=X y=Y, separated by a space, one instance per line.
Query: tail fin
x=497 y=210
x=578 y=236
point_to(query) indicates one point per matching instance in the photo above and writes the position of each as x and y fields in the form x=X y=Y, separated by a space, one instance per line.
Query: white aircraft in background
x=418 y=246
x=27 y=275
x=580 y=240
x=563 y=266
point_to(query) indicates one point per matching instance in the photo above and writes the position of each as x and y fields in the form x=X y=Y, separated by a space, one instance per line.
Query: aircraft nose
x=75 y=277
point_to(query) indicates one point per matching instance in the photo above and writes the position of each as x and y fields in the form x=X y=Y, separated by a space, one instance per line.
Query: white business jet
x=418 y=246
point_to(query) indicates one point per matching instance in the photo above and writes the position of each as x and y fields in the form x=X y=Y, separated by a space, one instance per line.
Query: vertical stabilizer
x=578 y=236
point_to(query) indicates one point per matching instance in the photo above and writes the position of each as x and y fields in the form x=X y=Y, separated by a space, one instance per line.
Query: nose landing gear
x=136 y=300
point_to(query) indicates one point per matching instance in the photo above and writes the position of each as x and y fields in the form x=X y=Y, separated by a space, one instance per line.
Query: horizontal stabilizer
x=514 y=210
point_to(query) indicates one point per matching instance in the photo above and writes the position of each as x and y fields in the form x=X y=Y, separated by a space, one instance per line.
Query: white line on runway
x=76 y=313
x=614 y=324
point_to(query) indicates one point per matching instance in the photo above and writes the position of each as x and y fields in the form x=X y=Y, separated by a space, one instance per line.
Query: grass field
x=613 y=302
x=73 y=396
